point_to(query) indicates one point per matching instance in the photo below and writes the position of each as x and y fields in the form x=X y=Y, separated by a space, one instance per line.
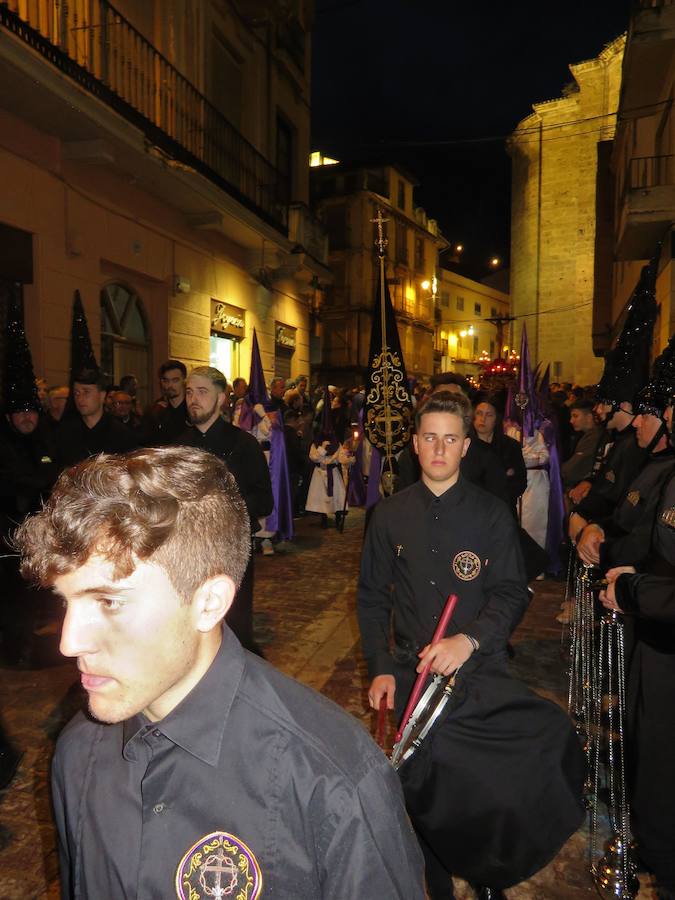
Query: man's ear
x=212 y=600
x=467 y=441
x=414 y=437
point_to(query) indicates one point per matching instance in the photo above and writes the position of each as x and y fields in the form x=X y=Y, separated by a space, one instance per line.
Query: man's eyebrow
x=434 y=434
x=103 y=588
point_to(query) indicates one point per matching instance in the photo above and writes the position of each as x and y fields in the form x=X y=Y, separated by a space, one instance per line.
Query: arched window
x=125 y=338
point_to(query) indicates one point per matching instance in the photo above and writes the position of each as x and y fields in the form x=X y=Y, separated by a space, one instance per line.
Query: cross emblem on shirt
x=399 y=549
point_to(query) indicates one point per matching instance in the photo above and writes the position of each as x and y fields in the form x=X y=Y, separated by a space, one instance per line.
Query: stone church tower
x=554 y=155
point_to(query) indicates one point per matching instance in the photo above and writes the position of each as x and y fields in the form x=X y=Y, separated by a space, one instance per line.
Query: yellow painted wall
x=554 y=154
x=82 y=240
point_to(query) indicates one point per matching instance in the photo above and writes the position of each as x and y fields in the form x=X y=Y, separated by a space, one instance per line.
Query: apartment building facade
x=636 y=179
x=154 y=157
x=348 y=199
x=465 y=336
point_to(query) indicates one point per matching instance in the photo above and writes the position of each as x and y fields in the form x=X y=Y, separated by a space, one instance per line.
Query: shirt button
x=156 y=733
x=434 y=550
x=433 y=582
x=158 y=808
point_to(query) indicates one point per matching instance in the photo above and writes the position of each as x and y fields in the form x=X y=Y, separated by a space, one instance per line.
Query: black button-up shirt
x=427 y=547
x=628 y=531
x=622 y=464
x=76 y=441
x=252 y=777
x=244 y=458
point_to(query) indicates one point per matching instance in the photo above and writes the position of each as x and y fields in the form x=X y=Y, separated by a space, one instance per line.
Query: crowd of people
x=101 y=490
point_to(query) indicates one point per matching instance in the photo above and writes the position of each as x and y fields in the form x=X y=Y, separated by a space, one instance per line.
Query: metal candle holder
x=584 y=693
x=615 y=873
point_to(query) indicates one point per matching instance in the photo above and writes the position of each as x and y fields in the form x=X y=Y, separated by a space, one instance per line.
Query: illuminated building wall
x=348 y=199
x=464 y=337
x=636 y=180
x=172 y=171
x=554 y=157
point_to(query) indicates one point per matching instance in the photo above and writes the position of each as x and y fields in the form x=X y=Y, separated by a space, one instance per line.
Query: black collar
x=198 y=723
x=449 y=498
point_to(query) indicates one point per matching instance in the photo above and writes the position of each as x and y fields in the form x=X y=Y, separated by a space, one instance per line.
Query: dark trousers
x=439 y=880
x=240 y=615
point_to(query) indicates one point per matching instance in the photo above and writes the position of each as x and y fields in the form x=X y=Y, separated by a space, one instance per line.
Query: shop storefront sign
x=227 y=319
x=285 y=336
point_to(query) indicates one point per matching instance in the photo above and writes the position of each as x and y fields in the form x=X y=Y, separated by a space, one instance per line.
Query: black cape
x=496 y=788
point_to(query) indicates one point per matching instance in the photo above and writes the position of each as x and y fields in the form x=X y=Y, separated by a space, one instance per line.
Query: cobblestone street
x=306 y=624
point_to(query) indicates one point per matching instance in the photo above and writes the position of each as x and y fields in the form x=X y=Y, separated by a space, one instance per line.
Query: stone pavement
x=306 y=623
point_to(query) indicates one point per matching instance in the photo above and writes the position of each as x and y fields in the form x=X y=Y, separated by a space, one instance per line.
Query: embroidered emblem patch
x=218 y=865
x=668 y=517
x=466 y=565
x=610 y=476
x=633 y=498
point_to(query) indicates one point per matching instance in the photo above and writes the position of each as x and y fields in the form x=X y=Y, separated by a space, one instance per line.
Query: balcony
x=102 y=54
x=307 y=232
x=649 y=49
x=648 y=206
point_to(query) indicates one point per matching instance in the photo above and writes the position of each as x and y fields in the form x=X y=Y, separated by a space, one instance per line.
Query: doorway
x=125 y=338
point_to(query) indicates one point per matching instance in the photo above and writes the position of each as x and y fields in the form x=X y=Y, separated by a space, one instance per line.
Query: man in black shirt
x=92 y=430
x=623 y=538
x=28 y=469
x=200 y=770
x=496 y=788
x=206 y=394
x=167 y=419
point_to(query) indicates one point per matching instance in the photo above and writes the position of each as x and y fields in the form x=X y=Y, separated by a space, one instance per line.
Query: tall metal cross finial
x=381 y=242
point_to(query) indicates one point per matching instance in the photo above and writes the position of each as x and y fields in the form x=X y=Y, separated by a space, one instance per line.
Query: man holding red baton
x=495 y=788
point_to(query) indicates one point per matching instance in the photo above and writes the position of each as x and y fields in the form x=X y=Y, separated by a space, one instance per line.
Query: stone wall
x=554 y=153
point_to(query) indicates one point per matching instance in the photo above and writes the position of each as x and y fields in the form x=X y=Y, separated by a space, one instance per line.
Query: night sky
x=438 y=85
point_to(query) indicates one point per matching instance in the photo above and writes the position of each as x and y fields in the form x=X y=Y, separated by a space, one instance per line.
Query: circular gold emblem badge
x=218 y=865
x=466 y=565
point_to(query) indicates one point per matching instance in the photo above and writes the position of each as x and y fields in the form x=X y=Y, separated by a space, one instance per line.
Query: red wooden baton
x=420 y=681
x=381 y=721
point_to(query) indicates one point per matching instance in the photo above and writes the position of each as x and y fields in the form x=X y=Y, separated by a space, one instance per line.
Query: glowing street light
x=495 y=261
x=426 y=284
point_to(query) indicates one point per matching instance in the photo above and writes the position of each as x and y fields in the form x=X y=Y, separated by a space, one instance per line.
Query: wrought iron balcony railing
x=96 y=46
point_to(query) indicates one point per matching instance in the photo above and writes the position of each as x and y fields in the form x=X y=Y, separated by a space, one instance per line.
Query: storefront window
x=228 y=327
x=225 y=355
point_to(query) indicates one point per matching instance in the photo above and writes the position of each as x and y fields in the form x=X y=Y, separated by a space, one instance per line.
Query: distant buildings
x=347 y=199
x=155 y=159
x=441 y=315
x=555 y=153
x=464 y=336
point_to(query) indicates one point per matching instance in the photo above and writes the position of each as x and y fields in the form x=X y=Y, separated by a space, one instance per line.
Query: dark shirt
x=510 y=455
x=276 y=404
x=620 y=467
x=419 y=543
x=251 y=754
x=628 y=531
x=244 y=458
x=164 y=424
x=28 y=468
x=647 y=596
x=579 y=466
x=296 y=452
x=662 y=557
x=76 y=441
